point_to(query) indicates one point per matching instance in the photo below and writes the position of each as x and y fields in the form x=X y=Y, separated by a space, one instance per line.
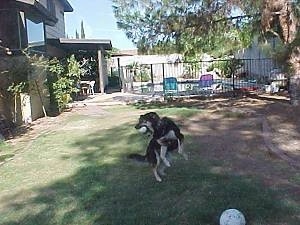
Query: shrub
x=140 y=72
x=63 y=80
x=142 y=76
x=227 y=67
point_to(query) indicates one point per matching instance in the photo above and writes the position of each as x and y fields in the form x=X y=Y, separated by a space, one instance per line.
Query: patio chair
x=206 y=85
x=170 y=86
x=206 y=81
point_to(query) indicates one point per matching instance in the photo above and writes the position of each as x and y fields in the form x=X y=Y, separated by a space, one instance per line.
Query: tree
x=191 y=27
x=82 y=36
x=187 y=26
x=281 y=18
x=76 y=35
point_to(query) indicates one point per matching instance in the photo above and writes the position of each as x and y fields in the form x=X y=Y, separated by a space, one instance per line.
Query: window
x=51 y=7
x=35 y=36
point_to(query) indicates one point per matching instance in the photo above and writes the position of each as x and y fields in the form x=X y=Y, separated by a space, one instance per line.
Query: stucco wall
x=259 y=64
x=39 y=94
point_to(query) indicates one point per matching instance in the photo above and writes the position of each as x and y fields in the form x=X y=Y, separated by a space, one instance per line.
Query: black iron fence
x=202 y=78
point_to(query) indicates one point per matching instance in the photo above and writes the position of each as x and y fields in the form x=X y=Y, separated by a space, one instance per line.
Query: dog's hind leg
x=181 y=151
x=157 y=177
x=161 y=169
x=155 y=168
x=163 y=153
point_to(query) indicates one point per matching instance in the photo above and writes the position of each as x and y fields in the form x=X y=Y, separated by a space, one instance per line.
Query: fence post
x=163 y=73
x=233 y=86
x=121 y=77
x=151 y=73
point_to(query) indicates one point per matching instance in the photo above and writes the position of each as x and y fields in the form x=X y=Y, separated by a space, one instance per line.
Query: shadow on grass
x=109 y=189
x=192 y=104
x=5 y=157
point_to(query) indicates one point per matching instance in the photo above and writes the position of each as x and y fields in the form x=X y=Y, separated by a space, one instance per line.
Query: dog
x=166 y=137
x=152 y=156
x=163 y=130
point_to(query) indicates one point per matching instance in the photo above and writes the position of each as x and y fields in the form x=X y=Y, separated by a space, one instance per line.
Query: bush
x=140 y=72
x=142 y=76
x=227 y=67
x=63 y=81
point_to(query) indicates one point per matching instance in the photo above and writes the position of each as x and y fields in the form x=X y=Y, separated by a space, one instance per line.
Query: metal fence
x=201 y=78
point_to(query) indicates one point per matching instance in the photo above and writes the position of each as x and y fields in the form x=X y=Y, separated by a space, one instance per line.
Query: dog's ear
x=154 y=115
x=142 y=117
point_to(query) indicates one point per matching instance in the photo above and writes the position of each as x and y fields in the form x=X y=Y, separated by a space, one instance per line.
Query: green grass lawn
x=6 y=151
x=79 y=174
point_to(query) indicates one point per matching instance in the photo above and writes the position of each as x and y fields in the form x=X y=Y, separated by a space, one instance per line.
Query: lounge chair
x=170 y=86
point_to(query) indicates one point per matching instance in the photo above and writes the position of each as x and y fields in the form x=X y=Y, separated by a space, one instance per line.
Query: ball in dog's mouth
x=143 y=129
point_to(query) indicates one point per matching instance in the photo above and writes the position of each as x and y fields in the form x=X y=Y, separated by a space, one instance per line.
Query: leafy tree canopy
x=187 y=26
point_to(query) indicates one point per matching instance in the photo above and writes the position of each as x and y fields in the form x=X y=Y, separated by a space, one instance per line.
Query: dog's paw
x=185 y=156
x=167 y=163
x=158 y=179
x=162 y=173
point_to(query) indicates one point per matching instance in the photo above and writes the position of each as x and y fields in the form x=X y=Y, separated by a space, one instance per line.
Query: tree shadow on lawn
x=109 y=189
x=243 y=100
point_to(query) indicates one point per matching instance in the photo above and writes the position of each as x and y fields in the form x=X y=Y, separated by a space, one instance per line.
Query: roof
x=87 y=44
x=40 y=12
x=67 y=6
x=37 y=10
x=149 y=59
x=130 y=52
x=75 y=45
x=65 y=3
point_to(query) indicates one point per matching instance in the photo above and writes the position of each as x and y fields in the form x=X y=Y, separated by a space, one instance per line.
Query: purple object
x=206 y=80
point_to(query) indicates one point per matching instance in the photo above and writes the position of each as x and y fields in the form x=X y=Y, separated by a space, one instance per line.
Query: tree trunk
x=295 y=77
x=288 y=21
x=294 y=90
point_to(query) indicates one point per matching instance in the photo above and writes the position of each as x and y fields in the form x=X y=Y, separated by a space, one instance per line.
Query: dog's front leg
x=163 y=153
x=157 y=177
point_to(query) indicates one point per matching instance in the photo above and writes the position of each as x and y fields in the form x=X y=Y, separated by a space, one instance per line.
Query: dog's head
x=147 y=122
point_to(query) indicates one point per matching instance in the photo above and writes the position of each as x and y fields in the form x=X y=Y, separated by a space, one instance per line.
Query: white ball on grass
x=232 y=217
x=143 y=130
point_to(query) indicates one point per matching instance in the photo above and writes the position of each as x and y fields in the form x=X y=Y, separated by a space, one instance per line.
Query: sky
x=98 y=21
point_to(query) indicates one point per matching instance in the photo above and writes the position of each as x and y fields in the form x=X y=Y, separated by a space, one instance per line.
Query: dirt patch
x=230 y=133
x=284 y=121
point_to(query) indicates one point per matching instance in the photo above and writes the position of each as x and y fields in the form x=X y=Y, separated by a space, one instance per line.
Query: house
x=39 y=26
x=29 y=23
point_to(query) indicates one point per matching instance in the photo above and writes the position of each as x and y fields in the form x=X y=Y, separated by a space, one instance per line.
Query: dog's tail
x=137 y=157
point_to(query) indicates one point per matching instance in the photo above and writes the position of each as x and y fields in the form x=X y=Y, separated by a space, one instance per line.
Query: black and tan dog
x=166 y=137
